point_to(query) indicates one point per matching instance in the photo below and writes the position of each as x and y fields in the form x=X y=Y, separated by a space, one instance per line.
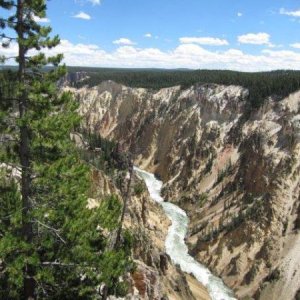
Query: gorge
x=234 y=171
x=175 y=242
x=149 y=150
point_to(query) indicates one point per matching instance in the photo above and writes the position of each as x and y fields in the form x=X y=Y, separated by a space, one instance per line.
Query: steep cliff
x=235 y=171
x=154 y=276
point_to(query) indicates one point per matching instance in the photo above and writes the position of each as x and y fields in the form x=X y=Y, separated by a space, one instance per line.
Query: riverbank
x=175 y=243
x=198 y=290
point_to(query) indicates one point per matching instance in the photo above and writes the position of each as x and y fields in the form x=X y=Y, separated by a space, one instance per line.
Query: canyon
x=235 y=170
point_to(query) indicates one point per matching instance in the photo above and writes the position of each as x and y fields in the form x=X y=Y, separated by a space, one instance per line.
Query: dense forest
x=260 y=84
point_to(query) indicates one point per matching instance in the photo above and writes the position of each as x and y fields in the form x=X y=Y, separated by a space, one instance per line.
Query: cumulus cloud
x=123 y=41
x=95 y=2
x=260 y=38
x=148 y=35
x=183 y=56
x=211 y=41
x=41 y=20
x=295 y=45
x=292 y=13
x=83 y=2
x=82 y=15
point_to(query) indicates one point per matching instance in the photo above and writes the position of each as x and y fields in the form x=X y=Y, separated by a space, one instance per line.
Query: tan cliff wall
x=236 y=175
x=154 y=277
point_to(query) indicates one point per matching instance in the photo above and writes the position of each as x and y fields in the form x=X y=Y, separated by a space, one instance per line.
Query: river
x=175 y=242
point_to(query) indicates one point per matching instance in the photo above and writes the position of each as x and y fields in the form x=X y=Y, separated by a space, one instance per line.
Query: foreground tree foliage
x=51 y=245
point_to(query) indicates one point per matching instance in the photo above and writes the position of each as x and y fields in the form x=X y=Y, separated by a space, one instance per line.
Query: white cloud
x=295 y=45
x=148 y=35
x=183 y=56
x=292 y=13
x=239 y=14
x=123 y=41
x=41 y=20
x=95 y=2
x=260 y=38
x=83 y=2
x=204 y=41
x=82 y=15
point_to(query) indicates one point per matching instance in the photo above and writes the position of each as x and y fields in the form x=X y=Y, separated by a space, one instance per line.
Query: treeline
x=260 y=84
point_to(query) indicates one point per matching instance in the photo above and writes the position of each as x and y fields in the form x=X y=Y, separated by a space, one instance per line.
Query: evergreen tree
x=51 y=245
x=260 y=84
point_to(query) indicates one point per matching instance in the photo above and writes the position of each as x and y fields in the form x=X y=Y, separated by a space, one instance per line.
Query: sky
x=245 y=35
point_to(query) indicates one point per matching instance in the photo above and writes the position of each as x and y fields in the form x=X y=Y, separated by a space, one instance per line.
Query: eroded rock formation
x=234 y=170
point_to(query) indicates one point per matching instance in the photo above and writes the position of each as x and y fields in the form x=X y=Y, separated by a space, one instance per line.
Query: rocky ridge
x=234 y=170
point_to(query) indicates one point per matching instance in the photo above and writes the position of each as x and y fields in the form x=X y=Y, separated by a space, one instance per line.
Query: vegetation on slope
x=260 y=84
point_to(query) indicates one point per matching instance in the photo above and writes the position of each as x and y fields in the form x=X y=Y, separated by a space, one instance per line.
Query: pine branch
x=41 y=286
x=56 y=231
x=9 y=57
x=7 y=21
x=7 y=217
x=8 y=4
x=4 y=36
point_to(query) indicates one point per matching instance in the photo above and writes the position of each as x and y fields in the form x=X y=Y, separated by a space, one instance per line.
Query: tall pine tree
x=51 y=245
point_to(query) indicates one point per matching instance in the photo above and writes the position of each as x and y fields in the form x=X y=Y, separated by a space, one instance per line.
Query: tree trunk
x=29 y=283
x=103 y=291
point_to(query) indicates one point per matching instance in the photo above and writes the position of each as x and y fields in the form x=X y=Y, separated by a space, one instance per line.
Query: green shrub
x=202 y=199
x=274 y=276
x=139 y=188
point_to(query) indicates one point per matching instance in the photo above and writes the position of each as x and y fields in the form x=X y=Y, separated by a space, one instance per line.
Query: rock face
x=155 y=277
x=235 y=171
x=71 y=78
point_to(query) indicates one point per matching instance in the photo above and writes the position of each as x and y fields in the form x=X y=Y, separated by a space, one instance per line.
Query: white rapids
x=175 y=242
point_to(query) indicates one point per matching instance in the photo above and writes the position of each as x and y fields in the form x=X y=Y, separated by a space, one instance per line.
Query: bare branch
x=56 y=231
x=4 y=36
x=60 y=264
x=40 y=285
x=9 y=57
x=56 y=263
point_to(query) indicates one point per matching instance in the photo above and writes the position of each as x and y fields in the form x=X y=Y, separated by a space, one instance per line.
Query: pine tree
x=51 y=245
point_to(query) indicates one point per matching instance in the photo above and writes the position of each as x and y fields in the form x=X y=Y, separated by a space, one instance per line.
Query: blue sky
x=227 y=34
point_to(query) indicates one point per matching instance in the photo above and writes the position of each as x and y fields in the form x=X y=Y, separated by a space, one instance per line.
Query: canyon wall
x=154 y=276
x=235 y=170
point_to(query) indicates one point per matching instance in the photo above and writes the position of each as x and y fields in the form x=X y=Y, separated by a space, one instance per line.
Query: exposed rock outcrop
x=73 y=77
x=155 y=277
x=235 y=171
